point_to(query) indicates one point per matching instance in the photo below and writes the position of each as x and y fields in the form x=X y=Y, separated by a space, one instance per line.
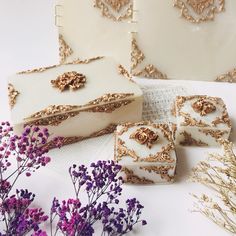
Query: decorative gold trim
x=12 y=95
x=216 y=134
x=64 y=49
x=75 y=62
x=229 y=77
x=69 y=80
x=190 y=141
x=189 y=121
x=116 y=10
x=162 y=156
x=137 y=57
x=122 y=71
x=198 y=11
x=56 y=114
x=163 y=171
x=135 y=179
x=70 y=140
x=145 y=136
x=203 y=107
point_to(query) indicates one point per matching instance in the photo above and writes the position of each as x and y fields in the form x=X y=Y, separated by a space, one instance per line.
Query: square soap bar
x=75 y=101
x=201 y=120
x=146 y=152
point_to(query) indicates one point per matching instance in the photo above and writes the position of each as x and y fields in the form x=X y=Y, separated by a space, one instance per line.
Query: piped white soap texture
x=75 y=101
x=146 y=152
x=201 y=121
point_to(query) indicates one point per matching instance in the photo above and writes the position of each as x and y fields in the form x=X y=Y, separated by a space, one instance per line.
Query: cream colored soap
x=75 y=101
x=201 y=121
x=146 y=152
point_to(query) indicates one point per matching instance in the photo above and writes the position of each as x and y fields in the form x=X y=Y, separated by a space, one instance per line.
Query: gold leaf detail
x=229 y=77
x=116 y=10
x=64 y=49
x=56 y=114
x=12 y=95
x=69 y=80
x=135 y=179
x=203 y=107
x=198 y=11
x=190 y=141
x=160 y=170
x=75 y=62
x=137 y=57
x=124 y=72
x=216 y=134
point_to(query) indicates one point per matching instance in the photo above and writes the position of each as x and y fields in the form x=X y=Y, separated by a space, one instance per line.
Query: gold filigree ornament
x=69 y=80
x=137 y=59
x=145 y=136
x=64 y=49
x=12 y=95
x=116 y=10
x=229 y=77
x=203 y=107
x=198 y=11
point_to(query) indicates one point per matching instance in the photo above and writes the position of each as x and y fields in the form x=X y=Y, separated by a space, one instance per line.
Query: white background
x=28 y=38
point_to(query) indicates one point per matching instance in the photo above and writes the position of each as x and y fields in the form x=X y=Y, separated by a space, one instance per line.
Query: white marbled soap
x=201 y=121
x=104 y=100
x=146 y=152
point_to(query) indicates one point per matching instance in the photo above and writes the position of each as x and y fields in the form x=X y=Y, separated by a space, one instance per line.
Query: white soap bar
x=94 y=28
x=174 y=45
x=75 y=101
x=201 y=120
x=146 y=152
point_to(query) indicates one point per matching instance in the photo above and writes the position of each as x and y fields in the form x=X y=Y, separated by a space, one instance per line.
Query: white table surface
x=28 y=39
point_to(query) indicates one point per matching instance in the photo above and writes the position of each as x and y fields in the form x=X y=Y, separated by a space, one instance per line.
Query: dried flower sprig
x=219 y=173
x=103 y=188
x=29 y=153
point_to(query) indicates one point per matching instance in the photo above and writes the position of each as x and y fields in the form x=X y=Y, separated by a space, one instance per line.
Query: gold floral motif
x=125 y=73
x=116 y=10
x=12 y=95
x=64 y=49
x=229 y=77
x=163 y=171
x=75 y=62
x=137 y=57
x=135 y=179
x=203 y=107
x=56 y=114
x=69 y=80
x=216 y=134
x=145 y=136
x=190 y=141
x=190 y=121
x=70 y=140
x=198 y=11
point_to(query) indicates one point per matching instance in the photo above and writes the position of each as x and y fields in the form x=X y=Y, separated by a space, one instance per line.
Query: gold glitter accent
x=116 y=10
x=229 y=77
x=216 y=134
x=75 y=62
x=162 y=156
x=145 y=136
x=189 y=121
x=137 y=57
x=198 y=11
x=163 y=171
x=203 y=107
x=64 y=49
x=135 y=179
x=70 y=140
x=12 y=95
x=190 y=141
x=56 y=114
x=69 y=80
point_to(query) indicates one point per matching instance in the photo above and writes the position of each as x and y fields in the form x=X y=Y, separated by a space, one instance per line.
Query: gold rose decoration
x=145 y=136
x=69 y=80
x=203 y=107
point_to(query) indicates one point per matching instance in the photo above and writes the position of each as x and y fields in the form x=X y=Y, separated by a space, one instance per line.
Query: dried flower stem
x=219 y=174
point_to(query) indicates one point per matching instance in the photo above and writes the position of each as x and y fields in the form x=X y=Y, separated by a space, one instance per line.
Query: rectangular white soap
x=146 y=152
x=201 y=120
x=75 y=101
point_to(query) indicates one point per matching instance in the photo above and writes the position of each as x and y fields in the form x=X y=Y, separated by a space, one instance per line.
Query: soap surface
x=201 y=120
x=75 y=101
x=146 y=152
